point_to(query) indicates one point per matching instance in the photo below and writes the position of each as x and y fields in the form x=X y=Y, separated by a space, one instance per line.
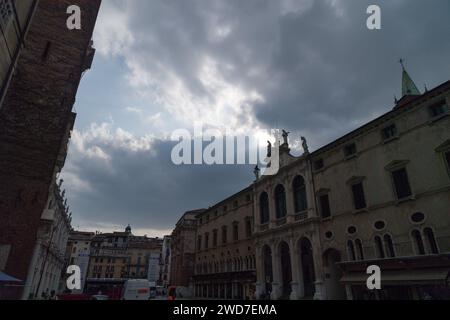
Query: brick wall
x=34 y=119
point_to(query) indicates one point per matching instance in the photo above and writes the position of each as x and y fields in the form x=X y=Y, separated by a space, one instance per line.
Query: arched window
x=264 y=208
x=360 y=249
x=418 y=242
x=429 y=235
x=351 y=250
x=280 y=201
x=389 y=246
x=299 y=188
x=379 y=248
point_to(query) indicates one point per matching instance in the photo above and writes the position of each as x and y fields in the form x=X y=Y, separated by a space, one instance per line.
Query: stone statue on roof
x=305 y=145
x=285 y=137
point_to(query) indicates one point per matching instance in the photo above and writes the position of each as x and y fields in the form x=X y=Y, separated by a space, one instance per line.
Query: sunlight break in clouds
x=219 y=102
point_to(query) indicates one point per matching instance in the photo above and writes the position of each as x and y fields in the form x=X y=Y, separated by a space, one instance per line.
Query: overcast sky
x=311 y=67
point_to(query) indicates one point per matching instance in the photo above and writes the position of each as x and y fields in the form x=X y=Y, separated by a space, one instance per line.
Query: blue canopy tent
x=6 y=278
x=10 y=287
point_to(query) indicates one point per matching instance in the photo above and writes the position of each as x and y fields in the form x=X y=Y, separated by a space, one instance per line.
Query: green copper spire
x=409 y=88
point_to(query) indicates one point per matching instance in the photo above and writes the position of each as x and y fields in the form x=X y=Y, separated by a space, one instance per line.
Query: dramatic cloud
x=308 y=66
x=115 y=178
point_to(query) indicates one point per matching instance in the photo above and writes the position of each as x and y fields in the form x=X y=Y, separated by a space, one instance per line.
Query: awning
x=6 y=278
x=435 y=276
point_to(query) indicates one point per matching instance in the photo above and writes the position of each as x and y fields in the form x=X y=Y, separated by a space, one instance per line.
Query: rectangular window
x=206 y=240
x=401 y=183
x=389 y=132
x=350 y=150
x=199 y=243
x=248 y=228
x=318 y=165
x=438 y=109
x=325 y=206
x=224 y=235
x=235 y=232
x=358 y=196
x=215 y=238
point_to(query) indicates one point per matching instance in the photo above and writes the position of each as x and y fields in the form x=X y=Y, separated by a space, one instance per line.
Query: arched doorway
x=286 y=270
x=268 y=271
x=307 y=259
x=334 y=289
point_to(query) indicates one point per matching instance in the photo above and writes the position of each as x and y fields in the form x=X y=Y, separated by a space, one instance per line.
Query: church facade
x=379 y=196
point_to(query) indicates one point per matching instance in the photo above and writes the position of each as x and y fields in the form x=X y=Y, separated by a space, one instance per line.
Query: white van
x=136 y=290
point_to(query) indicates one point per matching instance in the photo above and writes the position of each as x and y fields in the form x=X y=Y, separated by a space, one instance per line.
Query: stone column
x=233 y=291
x=318 y=265
x=30 y=278
x=276 y=284
x=290 y=207
x=297 y=277
x=313 y=211
x=260 y=285
x=348 y=290
x=272 y=209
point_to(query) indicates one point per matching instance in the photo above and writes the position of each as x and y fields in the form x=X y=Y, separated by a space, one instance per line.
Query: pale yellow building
x=380 y=196
x=225 y=262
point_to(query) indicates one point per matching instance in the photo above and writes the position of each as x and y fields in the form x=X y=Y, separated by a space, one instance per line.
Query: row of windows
x=109 y=260
x=100 y=268
x=299 y=196
x=385 y=248
x=107 y=276
x=401 y=184
x=230 y=265
x=388 y=133
x=204 y=242
x=207 y=217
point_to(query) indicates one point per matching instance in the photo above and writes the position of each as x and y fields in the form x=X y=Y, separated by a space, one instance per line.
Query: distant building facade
x=183 y=252
x=225 y=262
x=165 y=261
x=154 y=267
x=118 y=256
x=78 y=253
x=39 y=74
x=44 y=279
x=377 y=196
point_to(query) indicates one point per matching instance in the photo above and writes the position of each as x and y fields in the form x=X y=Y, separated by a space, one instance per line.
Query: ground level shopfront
x=409 y=278
x=230 y=285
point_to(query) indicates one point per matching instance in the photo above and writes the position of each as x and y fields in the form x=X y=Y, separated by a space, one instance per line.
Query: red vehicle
x=172 y=294
x=73 y=297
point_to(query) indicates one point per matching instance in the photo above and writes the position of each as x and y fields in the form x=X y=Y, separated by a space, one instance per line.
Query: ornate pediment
x=397 y=164
x=354 y=180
